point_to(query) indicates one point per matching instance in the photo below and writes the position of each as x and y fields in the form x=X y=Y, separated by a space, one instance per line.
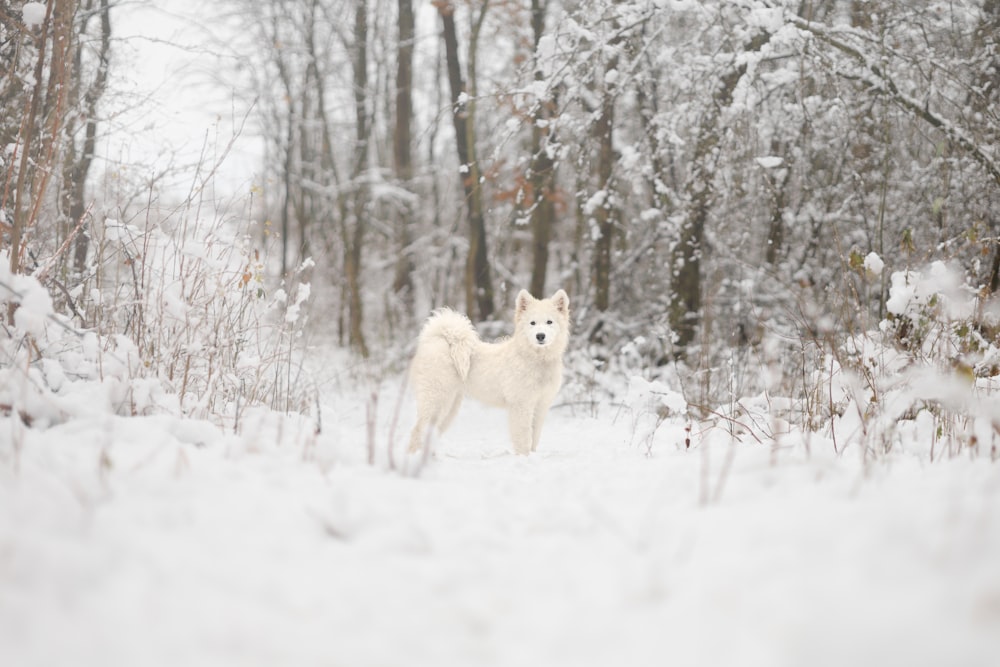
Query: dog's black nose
x=540 y=337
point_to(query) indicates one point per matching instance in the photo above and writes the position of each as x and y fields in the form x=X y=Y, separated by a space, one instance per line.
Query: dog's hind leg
x=433 y=418
x=447 y=417
x=427 y=416
x=418 y=435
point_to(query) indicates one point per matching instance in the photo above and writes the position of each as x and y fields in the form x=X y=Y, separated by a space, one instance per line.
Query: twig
x=41 y=273
x=736 y=422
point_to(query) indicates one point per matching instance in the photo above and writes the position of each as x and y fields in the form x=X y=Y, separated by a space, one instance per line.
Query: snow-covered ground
x=158 y=541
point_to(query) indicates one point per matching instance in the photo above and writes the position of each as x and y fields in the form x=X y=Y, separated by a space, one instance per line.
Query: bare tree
x=402 y=283
x=355 y=225
x=685 y=261
x=79 y=160
x=43 y=107
x=605 y=214
x=542 y=170
x=478 y=283
x=984 y=99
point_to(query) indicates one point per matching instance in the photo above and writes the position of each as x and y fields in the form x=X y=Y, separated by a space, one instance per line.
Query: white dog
x=522 y=373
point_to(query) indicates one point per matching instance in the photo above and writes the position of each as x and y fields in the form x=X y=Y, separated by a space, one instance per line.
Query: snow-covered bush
x=179 y=320
x=934 y=360
x=51 y=371
x=935 y=313
x=649 y=404
x=194 y=301
x=924 y=379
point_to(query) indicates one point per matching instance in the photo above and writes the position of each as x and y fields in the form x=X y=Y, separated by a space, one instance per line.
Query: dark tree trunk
x=987 y=40
x=478 y=283
x=354 y=242
x=685 y=261
x=402 y=283
x=81 y=167
x=604 y=215
x=542 y=171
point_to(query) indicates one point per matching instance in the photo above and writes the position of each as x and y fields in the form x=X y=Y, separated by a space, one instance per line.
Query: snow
x=642 y=391
x=874 y=264
x=595 y=201
x=34 y=301
x=770 y=161
x=293 y=311
x=640 y=534
x=33 y=13
x=939 y=285
x=160 y=540
x=769 y=19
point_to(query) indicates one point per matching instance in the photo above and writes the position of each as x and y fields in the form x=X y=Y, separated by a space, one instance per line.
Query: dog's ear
x=524 y=300
x=561 y=301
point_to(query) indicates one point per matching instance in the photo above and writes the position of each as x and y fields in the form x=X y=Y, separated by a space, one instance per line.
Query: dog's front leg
x=537 y=420
x=519 y=417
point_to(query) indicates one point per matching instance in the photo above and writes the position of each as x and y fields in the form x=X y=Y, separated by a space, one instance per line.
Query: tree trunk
x=987 y=40
x=542 y=171
x=402 y=284
x=543 y=213
x=604 y=215
x=685 y=261
x=26 y=139
x=778 y=183
x=478 y=283
x=81 y=167
x=355 y=240
x=285 y=149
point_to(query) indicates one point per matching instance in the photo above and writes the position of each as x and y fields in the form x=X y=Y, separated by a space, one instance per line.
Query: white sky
x=172 y=96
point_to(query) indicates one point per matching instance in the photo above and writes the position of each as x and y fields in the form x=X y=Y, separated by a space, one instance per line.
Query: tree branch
x=883 y=81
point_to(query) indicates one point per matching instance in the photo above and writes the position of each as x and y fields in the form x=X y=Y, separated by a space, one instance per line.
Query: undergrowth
x=175 y=313
x=926 y=379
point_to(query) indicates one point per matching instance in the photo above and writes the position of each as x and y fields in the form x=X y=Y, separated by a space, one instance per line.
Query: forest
x=777 y=437
x=717 y=184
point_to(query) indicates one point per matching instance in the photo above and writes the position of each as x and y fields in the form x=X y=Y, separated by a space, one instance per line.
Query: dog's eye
x=549 y=322
x=532 y=322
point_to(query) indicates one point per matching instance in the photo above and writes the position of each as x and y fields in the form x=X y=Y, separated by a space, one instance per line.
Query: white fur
x=522 y=373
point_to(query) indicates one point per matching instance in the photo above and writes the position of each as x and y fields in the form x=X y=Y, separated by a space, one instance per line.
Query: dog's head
x=543 y=322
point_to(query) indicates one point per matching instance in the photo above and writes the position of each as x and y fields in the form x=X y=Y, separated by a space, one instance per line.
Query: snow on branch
x=880 y=79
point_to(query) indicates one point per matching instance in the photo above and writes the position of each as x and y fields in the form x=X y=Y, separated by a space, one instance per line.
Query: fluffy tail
x=457 y=331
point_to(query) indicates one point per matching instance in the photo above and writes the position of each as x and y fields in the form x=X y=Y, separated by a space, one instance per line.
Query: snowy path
x=155 y=542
